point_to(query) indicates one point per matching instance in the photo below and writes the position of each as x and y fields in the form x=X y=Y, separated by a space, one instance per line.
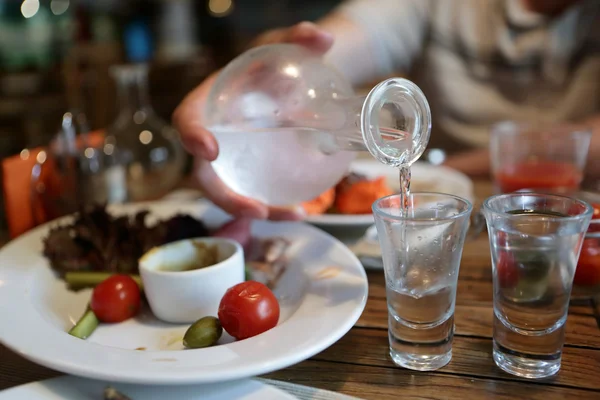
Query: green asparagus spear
x=111 y=393
x=85 y=326
x=80 y=280
x=247 y=272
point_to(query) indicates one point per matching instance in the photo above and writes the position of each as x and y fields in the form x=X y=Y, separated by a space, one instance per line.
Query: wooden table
x=359 y=364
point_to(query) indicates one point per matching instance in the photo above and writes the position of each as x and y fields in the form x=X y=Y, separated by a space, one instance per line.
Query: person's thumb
x=305 y=34
x=311 y=36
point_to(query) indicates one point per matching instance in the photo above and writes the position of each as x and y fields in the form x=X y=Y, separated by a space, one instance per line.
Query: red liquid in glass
x=538 y=175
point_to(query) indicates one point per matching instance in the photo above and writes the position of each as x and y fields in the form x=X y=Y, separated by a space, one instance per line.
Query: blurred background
x=55 y=55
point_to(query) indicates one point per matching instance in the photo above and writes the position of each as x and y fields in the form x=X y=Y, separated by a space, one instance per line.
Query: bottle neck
x=132 y=91
x=342 y=123
x=393 y=122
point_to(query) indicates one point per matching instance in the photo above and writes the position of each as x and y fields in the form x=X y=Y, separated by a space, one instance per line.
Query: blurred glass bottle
x=146 y=149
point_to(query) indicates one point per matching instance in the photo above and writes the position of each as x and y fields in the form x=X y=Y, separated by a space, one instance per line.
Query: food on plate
x=204 y=255
x=102 y=251
x=97 y=244
x=320 y=204
x=268 y=261
x=203 y=333
x=98 y=241
x=588 y=266
x=357 y=197
x=110 y=393
x=116 y=299
x=86 y=325
x=354 y=194
x=248 y=309
x=595 y=224
x=86 y=279
x=596 y=214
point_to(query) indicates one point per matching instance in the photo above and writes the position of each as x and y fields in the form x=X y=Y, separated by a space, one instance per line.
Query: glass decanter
x=284 y=119
x=146 y=151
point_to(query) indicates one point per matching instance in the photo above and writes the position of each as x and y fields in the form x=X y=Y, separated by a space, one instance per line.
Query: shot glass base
x=525 y=367
x=420 y=362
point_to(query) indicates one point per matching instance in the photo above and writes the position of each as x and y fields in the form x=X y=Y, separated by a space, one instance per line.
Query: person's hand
x=197 y=140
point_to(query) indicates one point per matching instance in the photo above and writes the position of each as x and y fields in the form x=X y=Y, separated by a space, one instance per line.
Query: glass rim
x=377 y=210
x=513 y=128
x=589 y=210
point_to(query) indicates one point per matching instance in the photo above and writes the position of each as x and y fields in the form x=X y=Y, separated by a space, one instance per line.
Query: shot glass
x=535 y=240
x=421 y=251
x=533 y=157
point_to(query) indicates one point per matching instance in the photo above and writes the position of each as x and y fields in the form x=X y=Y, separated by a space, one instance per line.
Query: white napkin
x=306 y=392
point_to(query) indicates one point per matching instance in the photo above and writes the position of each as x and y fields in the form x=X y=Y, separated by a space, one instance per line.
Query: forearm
x=351 y=53
x=475 y=163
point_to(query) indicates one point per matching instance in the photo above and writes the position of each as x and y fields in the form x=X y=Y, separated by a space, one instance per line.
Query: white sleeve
x=395 y=29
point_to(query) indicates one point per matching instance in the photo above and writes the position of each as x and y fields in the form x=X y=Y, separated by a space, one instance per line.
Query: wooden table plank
x=471 y=357
x=15 y=370
x=380 y=383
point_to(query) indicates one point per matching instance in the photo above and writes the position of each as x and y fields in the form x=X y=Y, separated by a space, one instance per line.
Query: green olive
x=203 y=333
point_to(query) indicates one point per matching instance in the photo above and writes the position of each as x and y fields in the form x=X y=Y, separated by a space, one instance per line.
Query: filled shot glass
x=421 y=250
x=535 y=240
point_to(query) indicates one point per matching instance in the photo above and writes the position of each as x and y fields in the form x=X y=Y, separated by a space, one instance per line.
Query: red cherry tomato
x=116 y=299
x=507 y=270
x=588 y=266
x=596 y=214
x=248 y=309
x=595 y=224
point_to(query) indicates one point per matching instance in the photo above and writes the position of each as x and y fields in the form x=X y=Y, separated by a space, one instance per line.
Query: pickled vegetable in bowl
x=179 y=288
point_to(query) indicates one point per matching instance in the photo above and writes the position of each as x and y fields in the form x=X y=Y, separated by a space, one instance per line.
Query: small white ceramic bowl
x=184 y=296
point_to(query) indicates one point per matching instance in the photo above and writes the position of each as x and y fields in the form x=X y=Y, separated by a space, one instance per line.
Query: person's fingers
x=188 y=120
x=286 y=213
x=188 y=117
x=311 y=36
x=235 y=204
x=306 y=34
x=217 y=192
x=198 y=141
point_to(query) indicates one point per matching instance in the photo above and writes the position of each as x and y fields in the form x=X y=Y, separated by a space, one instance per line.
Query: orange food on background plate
x=358 y=197
x=321 y=204
x=354 y=194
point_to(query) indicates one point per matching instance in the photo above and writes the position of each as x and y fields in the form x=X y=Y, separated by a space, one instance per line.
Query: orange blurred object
x=588 y=266
x=18 y=190
x=357 y=198
x=321 y=204
x=21 y=190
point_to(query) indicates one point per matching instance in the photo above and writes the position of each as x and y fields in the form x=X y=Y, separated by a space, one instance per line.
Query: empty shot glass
x=535 y=241
x=421 y=250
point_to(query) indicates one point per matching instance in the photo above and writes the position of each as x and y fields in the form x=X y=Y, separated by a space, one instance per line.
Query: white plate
x=425 y=178
x=72 y=388
x=322 y=294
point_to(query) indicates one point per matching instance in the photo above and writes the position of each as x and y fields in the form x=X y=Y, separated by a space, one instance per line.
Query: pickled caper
x=203 y=333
